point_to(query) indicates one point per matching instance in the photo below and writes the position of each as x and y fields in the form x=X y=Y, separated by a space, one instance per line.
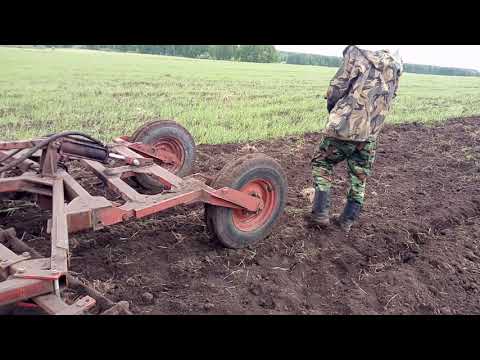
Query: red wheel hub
x=172 y=150
x=250 y=221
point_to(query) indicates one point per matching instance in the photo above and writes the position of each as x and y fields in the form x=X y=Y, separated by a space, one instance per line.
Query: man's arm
x=341 y=82
x=393 y=88
x=396 y=89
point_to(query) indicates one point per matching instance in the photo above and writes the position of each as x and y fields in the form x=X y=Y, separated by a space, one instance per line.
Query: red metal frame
x=74 y=210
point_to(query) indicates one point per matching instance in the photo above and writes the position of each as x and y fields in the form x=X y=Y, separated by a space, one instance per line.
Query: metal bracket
x=39 y=275
x=5 y=264
x=79 y=307
x=53 y=305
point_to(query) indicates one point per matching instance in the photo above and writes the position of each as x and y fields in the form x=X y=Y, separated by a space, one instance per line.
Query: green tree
x=257 y=53
x=222 y=52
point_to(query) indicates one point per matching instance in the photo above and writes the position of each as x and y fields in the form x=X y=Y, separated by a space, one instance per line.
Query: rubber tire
x=156 y=129
x=235 y=176
x=7 y=310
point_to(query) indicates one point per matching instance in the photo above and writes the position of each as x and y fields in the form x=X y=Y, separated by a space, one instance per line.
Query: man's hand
x=330 y=106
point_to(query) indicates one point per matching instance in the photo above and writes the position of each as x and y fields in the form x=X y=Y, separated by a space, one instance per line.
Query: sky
x=461 y=56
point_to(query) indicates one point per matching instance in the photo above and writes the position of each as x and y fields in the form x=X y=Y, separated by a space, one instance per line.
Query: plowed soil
x=415 y=249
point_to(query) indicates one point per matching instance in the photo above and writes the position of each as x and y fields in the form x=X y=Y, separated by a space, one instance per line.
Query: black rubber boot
x=349 y=216
x=321 y=208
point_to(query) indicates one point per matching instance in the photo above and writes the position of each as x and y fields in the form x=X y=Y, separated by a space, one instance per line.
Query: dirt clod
x=131 y=282
x=208 y=306
x=147 y=298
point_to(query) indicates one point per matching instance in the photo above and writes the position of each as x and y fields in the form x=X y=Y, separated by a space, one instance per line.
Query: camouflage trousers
x=359 y=156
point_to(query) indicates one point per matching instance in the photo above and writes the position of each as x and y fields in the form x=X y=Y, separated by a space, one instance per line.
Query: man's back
x=361 y=93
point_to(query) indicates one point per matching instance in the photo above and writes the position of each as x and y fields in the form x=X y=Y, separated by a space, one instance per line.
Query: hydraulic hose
x=10 y=155
x=41 y=145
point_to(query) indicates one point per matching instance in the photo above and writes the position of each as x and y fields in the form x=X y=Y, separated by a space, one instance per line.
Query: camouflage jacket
x=361 y=93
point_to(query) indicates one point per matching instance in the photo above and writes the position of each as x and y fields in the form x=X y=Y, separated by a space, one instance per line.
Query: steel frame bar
x=21 y=144
x=16 y=290
x=59 y=230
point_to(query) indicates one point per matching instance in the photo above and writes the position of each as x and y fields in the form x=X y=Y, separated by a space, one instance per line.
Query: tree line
x=259 y=54
x=439 y=70
x=333 y=61
x=247 y=53
x=310 y=59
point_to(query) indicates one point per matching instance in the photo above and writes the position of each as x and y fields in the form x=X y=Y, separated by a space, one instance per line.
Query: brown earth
x=414 y=251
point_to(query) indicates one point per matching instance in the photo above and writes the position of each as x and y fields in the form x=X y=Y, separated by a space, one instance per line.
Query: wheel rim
x=175 y=150
x=249 y=221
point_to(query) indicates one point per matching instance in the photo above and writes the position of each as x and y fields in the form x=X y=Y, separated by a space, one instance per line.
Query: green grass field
x=110 y=94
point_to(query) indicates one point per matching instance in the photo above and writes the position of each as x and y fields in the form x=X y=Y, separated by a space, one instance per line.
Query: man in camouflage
x=358 y=99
